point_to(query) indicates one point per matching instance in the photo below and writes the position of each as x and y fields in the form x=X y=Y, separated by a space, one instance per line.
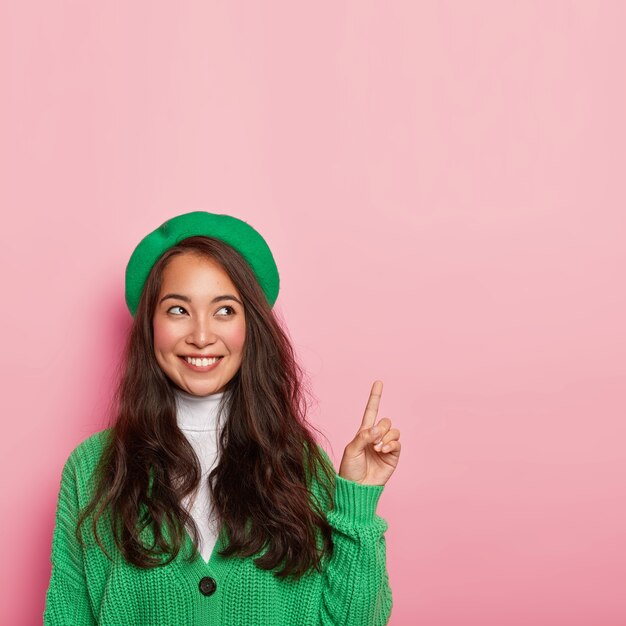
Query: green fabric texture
x=233 y=231
x=86 y=588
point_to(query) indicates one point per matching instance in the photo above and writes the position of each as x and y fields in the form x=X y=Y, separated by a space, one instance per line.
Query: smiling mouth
x=201 y=362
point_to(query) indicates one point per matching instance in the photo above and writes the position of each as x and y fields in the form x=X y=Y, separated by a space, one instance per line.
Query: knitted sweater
x=86 y=588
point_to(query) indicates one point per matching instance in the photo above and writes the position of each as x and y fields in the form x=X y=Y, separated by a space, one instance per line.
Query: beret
x=231 y=230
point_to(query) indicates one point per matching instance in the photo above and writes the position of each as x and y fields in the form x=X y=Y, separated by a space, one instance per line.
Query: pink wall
x=442 y=184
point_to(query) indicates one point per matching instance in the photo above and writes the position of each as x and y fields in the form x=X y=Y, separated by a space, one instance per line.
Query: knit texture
x=87 y=588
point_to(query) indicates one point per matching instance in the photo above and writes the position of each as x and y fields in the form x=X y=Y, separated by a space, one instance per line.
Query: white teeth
x=202 y=362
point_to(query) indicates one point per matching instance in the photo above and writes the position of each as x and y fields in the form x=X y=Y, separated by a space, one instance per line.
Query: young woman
x=208 y=500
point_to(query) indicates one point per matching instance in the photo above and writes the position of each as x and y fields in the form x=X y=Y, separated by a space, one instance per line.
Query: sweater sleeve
x=356 y=589
x=67 y=601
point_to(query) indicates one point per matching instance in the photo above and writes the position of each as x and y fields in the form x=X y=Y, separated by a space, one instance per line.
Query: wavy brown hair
x=261 y=487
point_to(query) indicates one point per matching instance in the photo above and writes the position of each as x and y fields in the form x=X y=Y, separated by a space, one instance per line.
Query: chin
x=201 y=390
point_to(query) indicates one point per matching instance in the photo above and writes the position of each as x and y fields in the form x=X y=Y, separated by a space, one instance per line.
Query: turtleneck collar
x=197 y=413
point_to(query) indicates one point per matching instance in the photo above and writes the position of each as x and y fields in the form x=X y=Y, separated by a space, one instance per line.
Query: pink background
x=442 y=184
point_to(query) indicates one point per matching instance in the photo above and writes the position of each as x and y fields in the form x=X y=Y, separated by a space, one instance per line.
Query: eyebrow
x=178 y=296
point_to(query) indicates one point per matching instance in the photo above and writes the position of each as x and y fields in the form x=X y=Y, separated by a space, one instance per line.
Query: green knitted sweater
x=88 y=588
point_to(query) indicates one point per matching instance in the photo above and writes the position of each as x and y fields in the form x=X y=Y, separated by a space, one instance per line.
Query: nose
x=202 y=333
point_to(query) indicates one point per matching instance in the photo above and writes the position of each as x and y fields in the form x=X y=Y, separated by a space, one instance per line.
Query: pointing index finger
x=371 y=410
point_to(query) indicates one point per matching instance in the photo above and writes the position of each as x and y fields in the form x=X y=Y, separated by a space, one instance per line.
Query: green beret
x=235 y=232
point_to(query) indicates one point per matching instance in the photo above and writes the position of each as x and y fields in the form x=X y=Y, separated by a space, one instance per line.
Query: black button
x=207 y=585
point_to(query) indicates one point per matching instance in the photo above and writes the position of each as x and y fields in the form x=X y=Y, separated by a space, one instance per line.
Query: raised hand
x=372 y=456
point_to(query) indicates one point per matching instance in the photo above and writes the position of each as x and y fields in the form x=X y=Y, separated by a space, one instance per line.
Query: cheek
x=237 y=338
x=163 y=336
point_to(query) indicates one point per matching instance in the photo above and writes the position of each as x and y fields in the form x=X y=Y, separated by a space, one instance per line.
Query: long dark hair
x=267 y=451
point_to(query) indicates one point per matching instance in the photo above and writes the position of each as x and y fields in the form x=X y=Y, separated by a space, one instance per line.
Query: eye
x=176 y=307
x=227 y=308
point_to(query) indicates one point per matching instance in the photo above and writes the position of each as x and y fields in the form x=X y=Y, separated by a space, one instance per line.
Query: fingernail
x=375 y=430
x=385 y=448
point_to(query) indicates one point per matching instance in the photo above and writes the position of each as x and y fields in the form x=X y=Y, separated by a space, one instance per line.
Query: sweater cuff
x=355 y=501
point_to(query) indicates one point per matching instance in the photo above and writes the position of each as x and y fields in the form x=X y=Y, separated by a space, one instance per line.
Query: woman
x=208 y=500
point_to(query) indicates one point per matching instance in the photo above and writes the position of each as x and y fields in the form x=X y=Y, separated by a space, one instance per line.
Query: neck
x=197 y=413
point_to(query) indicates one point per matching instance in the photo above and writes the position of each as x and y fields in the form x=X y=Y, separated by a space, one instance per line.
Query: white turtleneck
x=197 y=419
